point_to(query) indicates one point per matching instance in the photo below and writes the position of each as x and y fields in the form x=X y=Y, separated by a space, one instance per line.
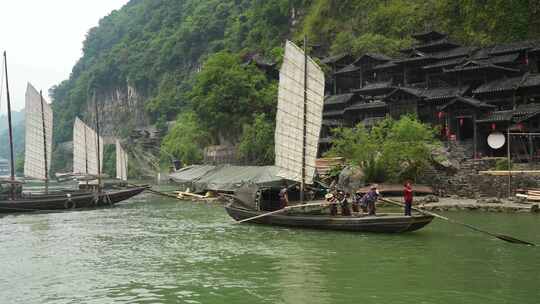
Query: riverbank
x=484 y=205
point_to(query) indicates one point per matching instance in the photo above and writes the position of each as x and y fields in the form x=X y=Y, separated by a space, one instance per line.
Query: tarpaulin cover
x=227 y=178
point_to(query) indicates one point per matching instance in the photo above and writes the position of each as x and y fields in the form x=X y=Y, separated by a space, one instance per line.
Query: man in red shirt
x=408 y=197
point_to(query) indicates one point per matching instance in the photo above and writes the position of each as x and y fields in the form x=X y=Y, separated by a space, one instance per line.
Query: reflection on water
x=154 y=250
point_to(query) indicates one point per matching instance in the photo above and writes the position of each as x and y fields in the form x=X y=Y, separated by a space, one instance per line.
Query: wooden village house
x=469 y=92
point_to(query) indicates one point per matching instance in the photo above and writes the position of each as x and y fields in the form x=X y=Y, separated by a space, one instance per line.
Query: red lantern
x=493 y=126
x=461 y=122
x=520 y=126
x=440 y=114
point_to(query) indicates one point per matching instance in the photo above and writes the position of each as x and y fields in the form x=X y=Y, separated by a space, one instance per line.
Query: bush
x=502 y=164
x=391 y=151
x=185 y=140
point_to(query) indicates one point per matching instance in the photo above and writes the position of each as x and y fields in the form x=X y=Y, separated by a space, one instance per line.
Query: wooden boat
x=381 y=223
x=38 y=147
x=67 y=201
x=298 y=124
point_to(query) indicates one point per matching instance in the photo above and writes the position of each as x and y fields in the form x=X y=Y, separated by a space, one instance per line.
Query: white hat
x=328 y=195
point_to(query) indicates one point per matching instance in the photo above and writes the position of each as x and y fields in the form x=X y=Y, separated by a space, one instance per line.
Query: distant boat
x=38 y=148
x=298 y=125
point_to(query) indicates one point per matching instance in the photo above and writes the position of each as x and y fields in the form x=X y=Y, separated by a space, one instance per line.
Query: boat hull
x=68 y=201
x=389 y=223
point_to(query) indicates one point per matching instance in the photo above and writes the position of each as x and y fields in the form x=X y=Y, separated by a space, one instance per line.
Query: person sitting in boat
x=331 y=201
x=283 y=196
x=369 y=199
x=344 y=203
x=356 y=202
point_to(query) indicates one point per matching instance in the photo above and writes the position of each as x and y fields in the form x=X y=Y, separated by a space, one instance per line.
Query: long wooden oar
x=503 y=237
x=149 y=189
x=283 y=210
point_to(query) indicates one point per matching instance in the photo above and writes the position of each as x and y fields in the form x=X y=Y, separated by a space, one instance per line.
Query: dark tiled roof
x=376 y=56
x=488 y=66
x=375 y=86
x=443 y=93
x=499 y=85
x=429 y=35
x=445 y=63
x=412 y=91
x=335 y=58
x=531 y=80
x=331 y=122
x=497 y=116
x=509 y=58
x=513 y=47
x=368 y=105
x=333 y=113
x=337 y=99
x=527 y=108
x=386 y=65
x=469 y=101
x=429 y=46
x=348 y=69
x=461 y=51
x=415 y=59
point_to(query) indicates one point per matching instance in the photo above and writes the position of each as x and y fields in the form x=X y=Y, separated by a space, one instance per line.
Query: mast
x=98 y=143
x=303 y=182
x=44 y=143
x=12 y=158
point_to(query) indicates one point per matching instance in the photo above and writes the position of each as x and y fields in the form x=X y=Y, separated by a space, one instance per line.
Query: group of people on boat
x=356 y=204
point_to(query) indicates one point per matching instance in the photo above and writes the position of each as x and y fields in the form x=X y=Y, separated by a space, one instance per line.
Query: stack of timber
x=209 y=197
x=529 y=194
x=511 y=172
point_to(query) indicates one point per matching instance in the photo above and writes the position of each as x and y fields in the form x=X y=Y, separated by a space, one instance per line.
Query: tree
x=186 y=139
x=226 y=94
x=257 y=143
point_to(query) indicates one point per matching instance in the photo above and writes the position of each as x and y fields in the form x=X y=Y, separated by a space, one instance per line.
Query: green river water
x=156 y=250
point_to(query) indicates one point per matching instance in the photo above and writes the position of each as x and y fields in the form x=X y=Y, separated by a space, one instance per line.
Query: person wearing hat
x=331 y=199
x=344 y=203
x=369 y=199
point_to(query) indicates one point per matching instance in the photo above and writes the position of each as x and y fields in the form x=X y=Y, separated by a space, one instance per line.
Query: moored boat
x=382 y=223
x=67 y=201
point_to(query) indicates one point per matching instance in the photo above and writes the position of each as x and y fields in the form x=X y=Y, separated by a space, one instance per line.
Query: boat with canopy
x=298 y=125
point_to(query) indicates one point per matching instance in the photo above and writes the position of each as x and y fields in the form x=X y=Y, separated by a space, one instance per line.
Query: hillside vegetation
x=186 y=56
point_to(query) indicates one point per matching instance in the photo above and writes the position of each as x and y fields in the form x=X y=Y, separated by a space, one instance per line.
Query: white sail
x=290 y=115
x=121 y=162
x=85 y=149
x=35 y=120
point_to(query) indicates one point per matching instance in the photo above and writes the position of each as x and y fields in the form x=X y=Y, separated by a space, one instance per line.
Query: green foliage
x=392 y=150
x=186 y=139
x=226 y=94
x=503 y=164
x=358 y=26
x=19 y=163
x=257 y=143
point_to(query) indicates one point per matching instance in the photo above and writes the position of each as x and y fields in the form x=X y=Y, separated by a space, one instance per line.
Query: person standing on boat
x=283 y=197
x=369 y=199
x=344 y=203
x=408 y=197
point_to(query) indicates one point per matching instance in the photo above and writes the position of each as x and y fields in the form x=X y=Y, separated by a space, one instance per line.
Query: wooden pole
x=508 y=160
x=303 y=180
x=12 y=157
x=44 y=143
x=98 y=144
